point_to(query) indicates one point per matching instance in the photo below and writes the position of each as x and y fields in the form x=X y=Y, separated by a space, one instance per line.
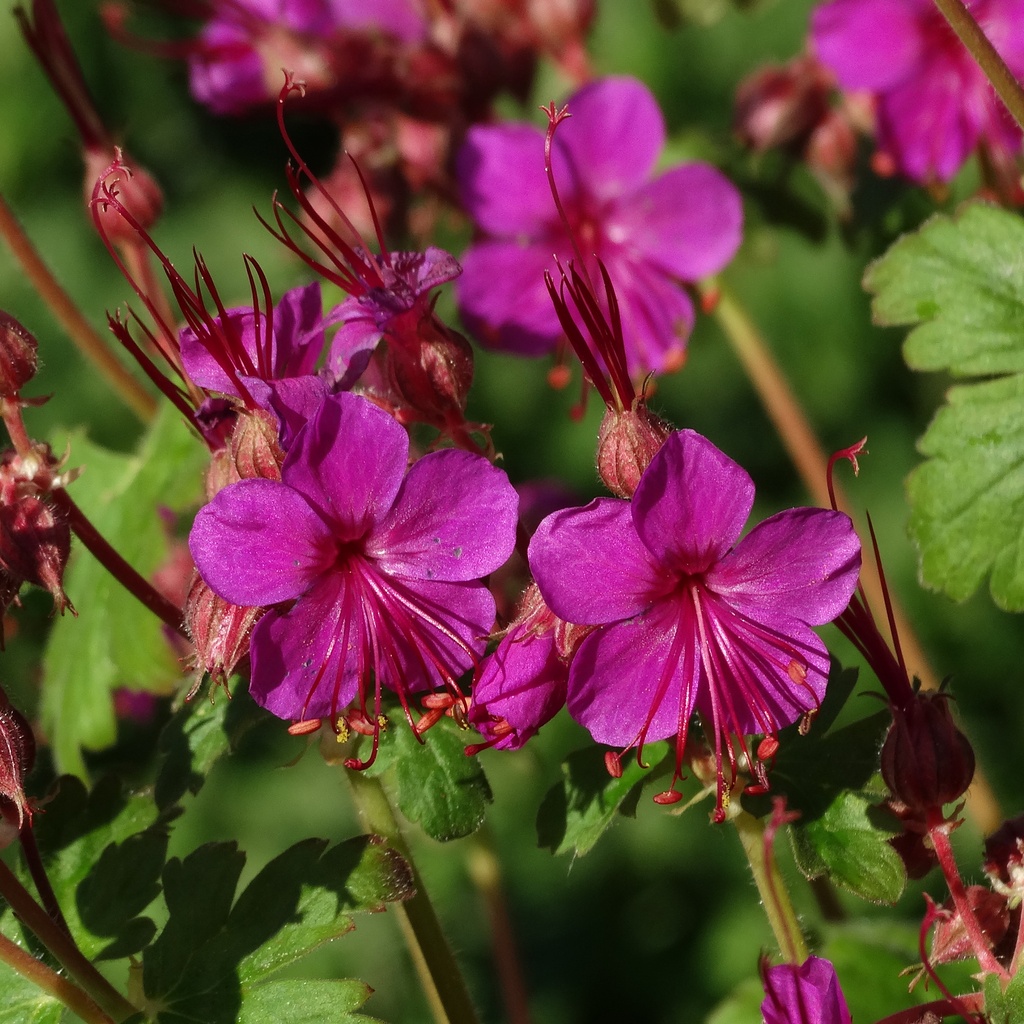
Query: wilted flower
x=688 y=623
x=374 y=571
x=652 y=233
x=808 y=994
x=934 y=104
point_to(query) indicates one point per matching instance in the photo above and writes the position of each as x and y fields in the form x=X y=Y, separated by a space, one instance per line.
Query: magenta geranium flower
x=236 y=61
x=690 y=620
x=934 y=104
x=808 y=994
x=373 y=572
x=652 y=233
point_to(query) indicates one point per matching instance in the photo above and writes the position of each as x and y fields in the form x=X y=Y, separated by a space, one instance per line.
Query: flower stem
x=132 y=581
x=771 y=886
x=63 y=947
x=30 y=851
x=985 y=55
x=439 y=974
x=939 y=836
x=485 y=870
x=807 y=455
x=50 y=981
x=70 y=317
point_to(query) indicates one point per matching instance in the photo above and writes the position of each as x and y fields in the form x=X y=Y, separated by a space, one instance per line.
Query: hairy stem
x=70 y=317
x=774 y=895
x=985 y=55
x=439 y=974
x=132 y=581
x=50 y=981
x=939 y=836
x=807 y=455
x=63 y=947
x=37 y=870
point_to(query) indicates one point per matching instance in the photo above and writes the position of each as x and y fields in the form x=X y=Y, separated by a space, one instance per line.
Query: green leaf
x=848 y=844
x=198 y=735
x=212 y=952
x=577 y=811
x=305 y=1002
x=114 y=641
x=743 y=1006
x=1005 y=1007
x=960 y=284
x=435 y=783
x=22 y=1002
x=104 y=851
x=810 y=770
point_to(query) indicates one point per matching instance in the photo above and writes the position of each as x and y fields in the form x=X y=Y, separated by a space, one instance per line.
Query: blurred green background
x=660 y=922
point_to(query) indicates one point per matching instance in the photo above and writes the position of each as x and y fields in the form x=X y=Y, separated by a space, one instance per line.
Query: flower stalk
x=64 y=949
x=985 y=55
x=756 y=840
x=811 y=463
x=439 y=973
x=50 y=981
x=80 y=331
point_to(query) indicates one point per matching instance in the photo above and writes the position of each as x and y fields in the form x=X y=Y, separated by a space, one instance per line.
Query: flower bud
x=1004 y=859
x=926 y=760
x=135 y=188
x=626 y=443
x=255 y=451
x=34 y=546
x=951 y=940
x=780 y=106
x=219 y=630
x=18 y=356
x=17 y=755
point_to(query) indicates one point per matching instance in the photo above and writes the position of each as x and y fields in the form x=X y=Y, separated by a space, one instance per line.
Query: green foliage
x=305 y=1002
x=434 y=783
x=104 y=851
x=216 y=952
x=114 y=641
x=959 y=282
x=200 y=733
x=1005 y=1006
x=577 y=811
x=848 y=844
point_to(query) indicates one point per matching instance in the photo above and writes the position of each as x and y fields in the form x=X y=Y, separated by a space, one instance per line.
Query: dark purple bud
x=17 y=755
x=780 y=106
x=926 y=760
x=34 y=545
x=18 y=356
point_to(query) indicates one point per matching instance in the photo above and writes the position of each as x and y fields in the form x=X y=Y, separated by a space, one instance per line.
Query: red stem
x=132 y=581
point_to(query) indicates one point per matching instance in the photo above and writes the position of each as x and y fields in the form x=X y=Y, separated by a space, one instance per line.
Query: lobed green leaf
x=959 y=282
x=114 y=641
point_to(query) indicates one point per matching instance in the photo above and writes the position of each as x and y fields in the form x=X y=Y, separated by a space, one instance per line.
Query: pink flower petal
x=806 y=560
x=349 y=462
x=259 y=542
x=635 y=681
x=869 y=44
x=612 y=138
x=454 y=519
x=590 y=565
x=503 y=299
x=688 y=221
x=691 y=503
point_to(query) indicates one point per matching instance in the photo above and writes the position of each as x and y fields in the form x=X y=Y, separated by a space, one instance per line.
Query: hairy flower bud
x=626 y=444
x=18 y=356
x=951 y=939
x=34 y=546
x=255 y=451
x=780 y=106
x=1004 y=858
x=135 y=188
x=926 y=760
x=219 y=630
x=17 y=755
